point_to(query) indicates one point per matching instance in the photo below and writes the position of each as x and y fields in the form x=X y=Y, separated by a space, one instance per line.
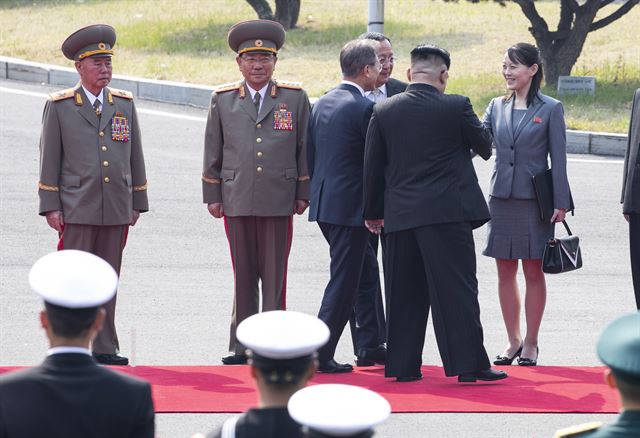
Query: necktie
x=256 y=102
x=377 y=95
x=96 y=107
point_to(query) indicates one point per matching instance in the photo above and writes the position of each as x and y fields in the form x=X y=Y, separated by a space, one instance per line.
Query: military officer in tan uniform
x=255 y=172
x=93 y=184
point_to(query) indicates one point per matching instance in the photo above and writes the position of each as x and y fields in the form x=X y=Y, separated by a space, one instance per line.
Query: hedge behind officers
x=255 y=171
x=92 y=175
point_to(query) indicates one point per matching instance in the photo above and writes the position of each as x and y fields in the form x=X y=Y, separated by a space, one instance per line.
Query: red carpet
x=542 y=389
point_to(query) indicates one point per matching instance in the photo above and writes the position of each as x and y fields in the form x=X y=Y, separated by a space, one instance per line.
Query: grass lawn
x=186 y=41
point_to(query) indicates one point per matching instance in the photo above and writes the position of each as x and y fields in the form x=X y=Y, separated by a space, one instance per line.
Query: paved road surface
x=175 y=293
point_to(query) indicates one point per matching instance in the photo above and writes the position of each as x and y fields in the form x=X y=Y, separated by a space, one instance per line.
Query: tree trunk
x=287 y=12
x=295 y=13
x=262 y=8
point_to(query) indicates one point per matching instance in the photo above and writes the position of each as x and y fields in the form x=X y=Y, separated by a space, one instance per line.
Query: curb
x=196 y=95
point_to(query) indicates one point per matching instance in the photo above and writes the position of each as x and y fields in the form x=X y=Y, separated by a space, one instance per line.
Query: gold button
x=259 y=140
x=106 y=179
x=105 y=163
x=259 y=169
x=259 y=154
x=101 y=134
x=104 y=148
x=259 y=125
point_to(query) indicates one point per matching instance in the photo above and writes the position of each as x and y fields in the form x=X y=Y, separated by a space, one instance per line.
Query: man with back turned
x=420 y=184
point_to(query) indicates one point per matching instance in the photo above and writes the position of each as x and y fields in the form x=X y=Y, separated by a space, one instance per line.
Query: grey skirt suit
x=522 y=151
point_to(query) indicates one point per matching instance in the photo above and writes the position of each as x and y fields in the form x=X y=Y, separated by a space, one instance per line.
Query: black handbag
x=562 y=254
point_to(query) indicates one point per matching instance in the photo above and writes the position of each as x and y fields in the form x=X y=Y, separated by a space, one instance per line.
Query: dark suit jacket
x=69 y=395
x=335 y=146
x=631 y=179
x=418 y=168
x=265 y=423
x=395 y=86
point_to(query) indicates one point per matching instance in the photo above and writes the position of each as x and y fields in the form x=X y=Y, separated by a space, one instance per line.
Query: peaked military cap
x=94 y=40
x=619 y=347
x=338 y=410
x=256 y=36
x=73 y=279
x=281 y=335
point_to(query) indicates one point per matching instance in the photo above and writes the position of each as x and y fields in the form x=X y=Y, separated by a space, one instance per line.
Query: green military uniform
x=92 y=167
x=255 y=165
x=619 y=349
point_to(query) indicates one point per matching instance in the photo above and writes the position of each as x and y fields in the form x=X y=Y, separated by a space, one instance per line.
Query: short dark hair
x=70 y=323
x=375 y=36
x=282 y=373
x=628 y=385
x=429 y=52
x=356 y=55
x=528 y=54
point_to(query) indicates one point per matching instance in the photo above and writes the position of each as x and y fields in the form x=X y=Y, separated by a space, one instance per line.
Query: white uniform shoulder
x=579 y=430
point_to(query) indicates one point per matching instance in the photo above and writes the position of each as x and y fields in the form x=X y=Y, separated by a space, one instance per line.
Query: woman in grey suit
x=527 y=127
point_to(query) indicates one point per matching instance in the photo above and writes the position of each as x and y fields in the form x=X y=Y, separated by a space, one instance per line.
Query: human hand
x=134 y=217
x=216 y=209
x=558 y=215
x=55 y=219
x=374 y=225
x=300 y=206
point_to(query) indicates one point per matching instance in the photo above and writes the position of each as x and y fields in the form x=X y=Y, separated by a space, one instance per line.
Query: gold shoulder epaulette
x=62 y=94
x=227 y=87
x=576 y=431
x=289 y=84
x=121 y=93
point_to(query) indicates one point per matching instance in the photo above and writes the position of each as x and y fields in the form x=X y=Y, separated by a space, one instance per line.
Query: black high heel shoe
x=526 y=362
x=505 y=360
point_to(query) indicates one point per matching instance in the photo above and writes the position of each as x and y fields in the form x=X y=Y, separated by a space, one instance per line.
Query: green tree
x=561 y=48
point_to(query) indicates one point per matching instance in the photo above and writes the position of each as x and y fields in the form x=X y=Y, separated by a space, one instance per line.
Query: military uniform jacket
x=92 y=168
x=263 y=423
x=255 y=164
x=70 y=396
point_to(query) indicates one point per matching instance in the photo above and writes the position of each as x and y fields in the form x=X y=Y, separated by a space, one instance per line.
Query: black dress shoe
x=367 y=357
x=234 y=359
x=526 y=362
x=333 y=367
x=506 y=360
x=409 y=378
x=110 y=359
x=487 y=375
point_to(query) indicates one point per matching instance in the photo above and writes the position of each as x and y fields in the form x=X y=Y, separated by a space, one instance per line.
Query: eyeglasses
x=264 y=60
x=386 y=59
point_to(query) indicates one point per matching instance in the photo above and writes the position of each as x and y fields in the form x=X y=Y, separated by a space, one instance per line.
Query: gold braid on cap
x=95 y=52
x=255 y=49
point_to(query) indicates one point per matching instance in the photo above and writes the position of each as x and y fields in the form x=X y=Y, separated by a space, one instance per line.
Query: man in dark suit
x=631 y=193
x=385 y=87
x=70 y=395
x=335 y=146
x=421 y=186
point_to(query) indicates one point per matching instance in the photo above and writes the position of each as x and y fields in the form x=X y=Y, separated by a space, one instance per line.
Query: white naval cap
x=73 y=279
x=282 y=335
x=338 y=410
